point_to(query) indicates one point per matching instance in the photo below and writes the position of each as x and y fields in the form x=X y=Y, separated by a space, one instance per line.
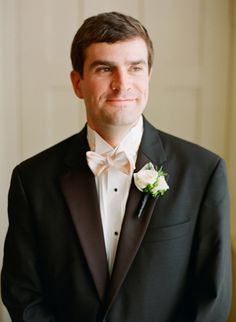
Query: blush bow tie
x=100 y=162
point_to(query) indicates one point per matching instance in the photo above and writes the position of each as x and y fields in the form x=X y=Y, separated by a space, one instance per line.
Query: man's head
x=112 y=57
x=109 y=28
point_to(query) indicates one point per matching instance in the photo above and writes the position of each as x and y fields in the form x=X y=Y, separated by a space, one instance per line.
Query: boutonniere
x=151 y=181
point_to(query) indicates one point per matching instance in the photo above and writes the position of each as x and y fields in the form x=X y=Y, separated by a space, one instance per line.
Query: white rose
x=152 y=182
x=147 y=175
x=161 y=186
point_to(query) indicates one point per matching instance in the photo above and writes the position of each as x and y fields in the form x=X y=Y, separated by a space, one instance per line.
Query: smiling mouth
x=120 y=100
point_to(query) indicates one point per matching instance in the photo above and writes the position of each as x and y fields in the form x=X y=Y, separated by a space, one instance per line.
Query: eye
x=103 y=69
x=136 y=68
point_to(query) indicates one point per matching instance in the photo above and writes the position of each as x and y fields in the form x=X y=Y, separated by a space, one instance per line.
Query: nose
x=120 y=81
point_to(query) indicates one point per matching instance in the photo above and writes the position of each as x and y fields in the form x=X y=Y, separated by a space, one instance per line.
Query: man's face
x=115 y=83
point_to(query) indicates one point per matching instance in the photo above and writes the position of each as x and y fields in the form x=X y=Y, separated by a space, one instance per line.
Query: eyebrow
x=113 y=64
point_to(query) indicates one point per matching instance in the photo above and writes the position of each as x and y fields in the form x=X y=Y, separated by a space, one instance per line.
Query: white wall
x=232 y=125
x=10 y=147
x=232 y=151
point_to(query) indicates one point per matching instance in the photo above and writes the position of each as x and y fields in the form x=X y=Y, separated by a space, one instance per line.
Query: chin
x=124 y=120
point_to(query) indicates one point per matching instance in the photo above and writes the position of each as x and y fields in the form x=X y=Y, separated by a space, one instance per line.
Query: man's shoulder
x=191 y=160
x=182 y=150
x=184 y=146
x=189 y=156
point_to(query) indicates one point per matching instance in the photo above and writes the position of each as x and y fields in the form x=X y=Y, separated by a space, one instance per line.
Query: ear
x=76 y=80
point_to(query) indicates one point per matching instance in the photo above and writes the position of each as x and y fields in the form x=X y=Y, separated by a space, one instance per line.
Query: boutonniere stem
x=151 y=181
x=143 y=204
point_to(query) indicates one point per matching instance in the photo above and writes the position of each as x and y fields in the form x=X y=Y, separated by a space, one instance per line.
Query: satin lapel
x=133 y=229
x=79 y=189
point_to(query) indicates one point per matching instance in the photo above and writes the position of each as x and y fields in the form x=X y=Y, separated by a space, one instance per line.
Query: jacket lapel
x=79 y=189
x=133 y=229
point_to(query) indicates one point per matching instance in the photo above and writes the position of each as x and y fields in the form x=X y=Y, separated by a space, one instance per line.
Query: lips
x=121 y=102
x=121 y=99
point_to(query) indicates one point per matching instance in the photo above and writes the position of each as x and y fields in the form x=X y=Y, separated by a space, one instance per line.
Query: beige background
x=193 y=89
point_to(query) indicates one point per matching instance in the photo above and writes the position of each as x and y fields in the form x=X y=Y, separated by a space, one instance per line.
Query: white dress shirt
x=113 y=186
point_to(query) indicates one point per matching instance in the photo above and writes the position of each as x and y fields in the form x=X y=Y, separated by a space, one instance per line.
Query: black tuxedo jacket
x=172 y=264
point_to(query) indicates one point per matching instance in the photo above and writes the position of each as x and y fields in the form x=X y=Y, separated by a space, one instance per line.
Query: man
x=88 y=243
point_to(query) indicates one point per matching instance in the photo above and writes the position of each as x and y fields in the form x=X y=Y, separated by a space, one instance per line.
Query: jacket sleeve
x=22 y=292
x=209 y=294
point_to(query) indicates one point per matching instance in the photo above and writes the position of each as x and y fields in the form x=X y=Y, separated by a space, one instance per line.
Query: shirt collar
x=129 y=144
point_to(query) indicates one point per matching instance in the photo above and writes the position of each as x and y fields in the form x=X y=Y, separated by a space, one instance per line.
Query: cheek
x=94 y=97
x=143 y=86
x=144 y=91
x=96 y=89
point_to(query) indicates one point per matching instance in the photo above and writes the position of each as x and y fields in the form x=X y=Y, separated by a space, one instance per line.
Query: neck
x=114 y=137
x=112 y=134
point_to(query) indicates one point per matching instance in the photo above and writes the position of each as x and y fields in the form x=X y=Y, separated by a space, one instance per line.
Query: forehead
x=129 y=50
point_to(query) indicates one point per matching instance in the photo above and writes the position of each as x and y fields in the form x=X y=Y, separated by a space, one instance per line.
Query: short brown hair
x=107 y=27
